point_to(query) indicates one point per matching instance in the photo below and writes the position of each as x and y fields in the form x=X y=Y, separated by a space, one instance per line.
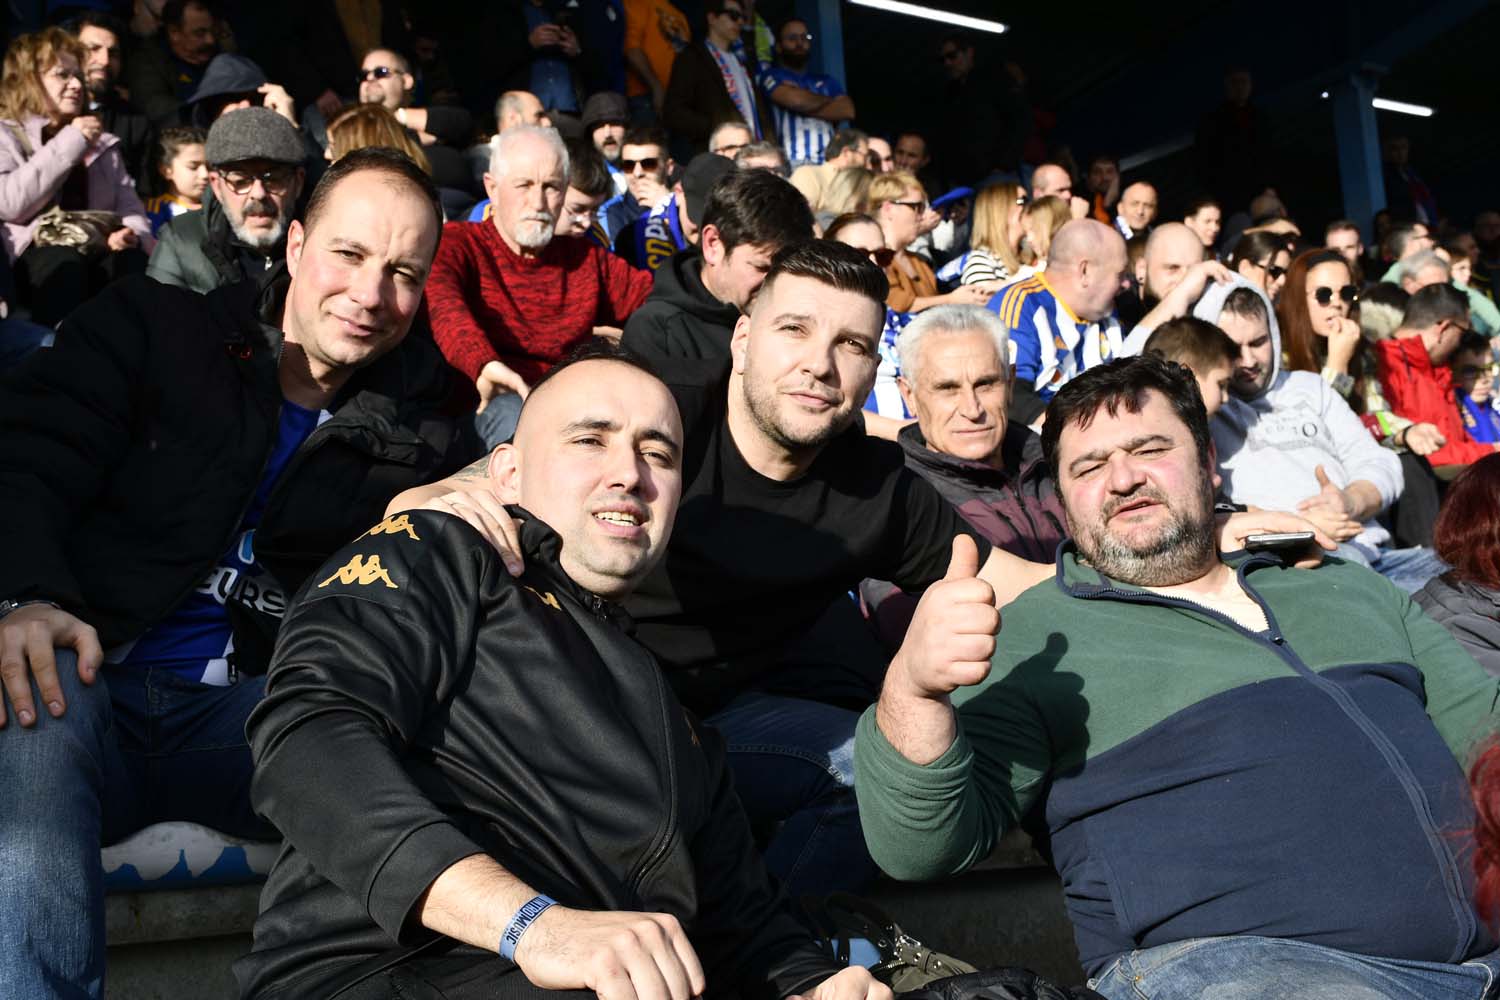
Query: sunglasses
x=376 y=73
x=649 y=164
x=276 y=180
x=882 y=258
x=1274 y=271
x=1323 y=295
x=916 y=206
x=732 y=13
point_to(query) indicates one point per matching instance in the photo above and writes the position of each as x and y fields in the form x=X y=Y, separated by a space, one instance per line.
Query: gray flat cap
x=253 y=134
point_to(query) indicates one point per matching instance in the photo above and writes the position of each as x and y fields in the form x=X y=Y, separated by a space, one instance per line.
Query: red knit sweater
x=486 y=303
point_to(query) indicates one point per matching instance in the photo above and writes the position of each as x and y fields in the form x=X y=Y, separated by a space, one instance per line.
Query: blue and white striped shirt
x=803 y=137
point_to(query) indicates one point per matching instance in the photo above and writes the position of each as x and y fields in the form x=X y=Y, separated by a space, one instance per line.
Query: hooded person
x=1287 y=441
x=673 y=226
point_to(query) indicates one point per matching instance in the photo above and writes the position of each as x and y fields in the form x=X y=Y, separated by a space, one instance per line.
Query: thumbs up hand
x=952 y=633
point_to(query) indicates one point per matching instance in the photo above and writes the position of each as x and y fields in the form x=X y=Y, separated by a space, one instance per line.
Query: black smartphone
x=1278 y=541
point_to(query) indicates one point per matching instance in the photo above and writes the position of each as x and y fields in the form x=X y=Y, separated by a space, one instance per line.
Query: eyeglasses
x=916 y=206
x=649 y=164
x=276 y=180
x=1323 y=295
x=733 y=13
x=882 y=258
x=376 y=73
x=730 y=150
x=1476 y=371
x=800 y=37
x=583 y=215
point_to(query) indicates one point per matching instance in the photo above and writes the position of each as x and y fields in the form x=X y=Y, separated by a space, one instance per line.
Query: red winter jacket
x=1419 y=392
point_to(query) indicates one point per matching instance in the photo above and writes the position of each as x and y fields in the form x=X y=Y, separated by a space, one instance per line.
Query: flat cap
x=604 y=108
x=253 y=134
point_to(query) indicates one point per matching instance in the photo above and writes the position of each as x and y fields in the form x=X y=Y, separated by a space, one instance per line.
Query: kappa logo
x=547 y=598
x=395 y=525
x=362 y=571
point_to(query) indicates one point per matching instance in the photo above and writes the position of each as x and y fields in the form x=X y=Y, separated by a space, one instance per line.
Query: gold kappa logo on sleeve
x=548 y=598
x=363 y=571
x=395 y=525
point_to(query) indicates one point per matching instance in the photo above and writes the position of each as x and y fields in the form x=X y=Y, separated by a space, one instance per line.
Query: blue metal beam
x=1360 y=172
x=827 y=25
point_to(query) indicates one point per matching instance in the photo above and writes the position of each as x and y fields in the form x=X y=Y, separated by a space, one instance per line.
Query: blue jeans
x=497 y=424
x=133 y=749
x=1409 y=569
x=1257 y=968
x=19 y=338
x=793 y=765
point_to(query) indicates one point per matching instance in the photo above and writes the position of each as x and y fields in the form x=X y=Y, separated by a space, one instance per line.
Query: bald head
x=1086 y=267
x=1051 y=180
x=519 y=107
x=1171 y=249
x=1138 y=206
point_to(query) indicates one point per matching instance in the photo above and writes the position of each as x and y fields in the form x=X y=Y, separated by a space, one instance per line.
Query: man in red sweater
x=1414 y=370
x=505 y=299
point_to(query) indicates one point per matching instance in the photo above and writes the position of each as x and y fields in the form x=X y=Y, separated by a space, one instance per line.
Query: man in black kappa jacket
x=465 y=762
x=174 y=467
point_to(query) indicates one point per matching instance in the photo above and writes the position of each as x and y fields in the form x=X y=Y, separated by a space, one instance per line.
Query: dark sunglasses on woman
x=1323 y=295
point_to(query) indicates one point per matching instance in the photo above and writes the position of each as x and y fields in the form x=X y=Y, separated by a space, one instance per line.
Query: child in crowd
x=1202 y=348
x=1474 y=382
x=184 y=172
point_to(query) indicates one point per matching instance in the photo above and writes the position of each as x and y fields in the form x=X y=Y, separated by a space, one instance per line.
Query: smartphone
x=1278 y=541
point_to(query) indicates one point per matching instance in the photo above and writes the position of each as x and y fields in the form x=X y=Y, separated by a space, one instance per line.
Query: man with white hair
x=1062 y=322
x=1421 y=269
x=505 y=300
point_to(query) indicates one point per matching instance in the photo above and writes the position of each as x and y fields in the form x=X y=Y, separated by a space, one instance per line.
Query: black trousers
x=455 y=977
x=1411 y=517
x=53 y=281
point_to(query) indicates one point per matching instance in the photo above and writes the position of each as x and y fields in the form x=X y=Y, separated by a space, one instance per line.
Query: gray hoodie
x=1270 y=444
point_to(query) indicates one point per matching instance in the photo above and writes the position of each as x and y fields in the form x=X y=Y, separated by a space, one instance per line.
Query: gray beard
x=262 y=240
x=1179 y=554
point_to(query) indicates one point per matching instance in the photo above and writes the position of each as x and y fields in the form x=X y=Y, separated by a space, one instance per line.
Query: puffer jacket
x=425 y=706
x=1471 y=614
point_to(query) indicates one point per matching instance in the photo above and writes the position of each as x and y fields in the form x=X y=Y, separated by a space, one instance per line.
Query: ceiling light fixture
x=1401 y=107
x=932 y=14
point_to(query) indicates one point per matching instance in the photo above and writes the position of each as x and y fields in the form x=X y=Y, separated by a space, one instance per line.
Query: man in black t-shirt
x=786 y=506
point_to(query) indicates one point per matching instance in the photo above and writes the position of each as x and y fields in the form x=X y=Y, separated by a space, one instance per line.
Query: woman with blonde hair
x=57 y=162
x=897 y=201
x=846 y=192
x=996 y=241
x=365 y=125
x=1040 y=221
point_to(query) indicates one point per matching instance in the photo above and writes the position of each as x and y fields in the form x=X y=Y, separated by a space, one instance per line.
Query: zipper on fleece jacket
x=1447 y=864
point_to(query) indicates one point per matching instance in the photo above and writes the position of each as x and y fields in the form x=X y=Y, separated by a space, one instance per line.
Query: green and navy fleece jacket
x=1199 y=779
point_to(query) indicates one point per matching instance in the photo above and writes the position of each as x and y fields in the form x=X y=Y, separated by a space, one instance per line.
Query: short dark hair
x=844 y=138
x=756 y=207
x=98 y=19
x=1339 y=225
x=1472 y=342
x=1244 y=302
x=645 y=135
x=717 y=6
x=587 y=171
x=1394 y=244
x=1199 y=203
x=846 y=220
x=1124 y=383
x=172 y=11
x=962 y=39
x=1193 y=342
x=381 y=159
x=781 y=26
x=1432 y=305
x=1105 y=158
x=831 y=263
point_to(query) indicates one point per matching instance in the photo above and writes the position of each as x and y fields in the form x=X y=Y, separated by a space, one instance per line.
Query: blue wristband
x=524 y=918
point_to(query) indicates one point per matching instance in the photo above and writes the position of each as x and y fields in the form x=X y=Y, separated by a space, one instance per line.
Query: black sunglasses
x=376 y=73
x=649 y=164
x=1323 y=295
x=882 y=258
x=1274 y=271
x=732 y=12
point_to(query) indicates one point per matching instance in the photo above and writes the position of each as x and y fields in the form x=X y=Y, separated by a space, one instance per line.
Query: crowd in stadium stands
x=579 y=491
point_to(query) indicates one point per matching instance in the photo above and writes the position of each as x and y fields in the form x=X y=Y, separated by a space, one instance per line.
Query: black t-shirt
x=753 y=563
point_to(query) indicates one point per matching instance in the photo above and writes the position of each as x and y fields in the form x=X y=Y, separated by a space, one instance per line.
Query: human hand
x=1338 y=526
x=544 y=36
x=1233 y=529
x=329 y=104
x=970 y=295
x=1342 y=341
x=619 y=955
x=1078 y=207
x=476 y=503
x=1328 y=497
x=1197 y=278
x=278 y=100
x=90 y=125
x=495 y=378
x=652 y=191
x=568 y=42
x=28 y=636
x=853 y=983
x=929 y=220
x=951 y=637
x=1423 y=439
x=123 y=238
